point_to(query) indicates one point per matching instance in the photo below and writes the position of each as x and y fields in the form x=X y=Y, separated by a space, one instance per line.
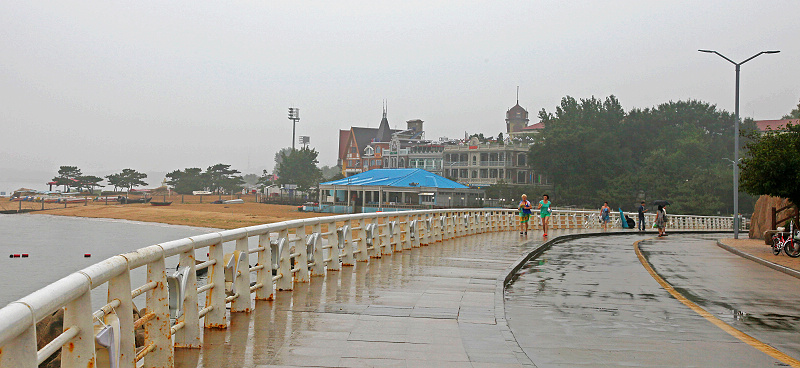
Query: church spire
x=517 y=95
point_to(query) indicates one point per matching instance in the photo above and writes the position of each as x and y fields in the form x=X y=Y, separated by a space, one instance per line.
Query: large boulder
x=762 y=215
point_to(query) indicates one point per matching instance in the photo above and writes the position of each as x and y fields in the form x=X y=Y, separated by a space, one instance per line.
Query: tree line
x=297 y=166
x=595 y=151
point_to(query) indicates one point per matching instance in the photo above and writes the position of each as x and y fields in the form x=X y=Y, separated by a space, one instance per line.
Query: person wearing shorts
x=544 y=212
x=605 y=215
x=524 y=214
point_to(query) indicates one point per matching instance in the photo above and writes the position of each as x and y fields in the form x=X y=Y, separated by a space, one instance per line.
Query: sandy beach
x=191 y=212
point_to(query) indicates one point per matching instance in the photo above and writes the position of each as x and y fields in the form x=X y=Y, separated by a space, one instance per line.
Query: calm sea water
x=56 y=246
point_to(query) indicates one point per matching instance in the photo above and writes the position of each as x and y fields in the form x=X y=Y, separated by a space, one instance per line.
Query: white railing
x=286 y=253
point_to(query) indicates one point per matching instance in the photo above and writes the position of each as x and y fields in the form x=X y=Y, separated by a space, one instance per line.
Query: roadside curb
x=789 y=271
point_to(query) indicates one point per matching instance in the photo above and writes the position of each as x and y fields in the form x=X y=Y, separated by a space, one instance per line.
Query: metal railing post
x=405 y=230
x=301 y=249
x=241 y=285
x=20 y=351
x=264 y=275
x=215 y=298
x=189 y=335
x=347 y=256
x=156 y=329
x=333 y=242
x=284 y=262
x=119 y=288
x=318 y=269
x=361 y=242
x=78 y=313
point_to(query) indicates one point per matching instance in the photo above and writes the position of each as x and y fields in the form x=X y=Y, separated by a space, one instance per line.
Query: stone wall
x=762 y=215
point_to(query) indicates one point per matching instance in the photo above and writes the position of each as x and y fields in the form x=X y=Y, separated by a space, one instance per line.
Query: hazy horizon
x=163 y=86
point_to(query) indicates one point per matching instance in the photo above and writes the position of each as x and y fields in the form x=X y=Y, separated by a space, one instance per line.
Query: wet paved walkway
x=432 y=306
x=590 y=302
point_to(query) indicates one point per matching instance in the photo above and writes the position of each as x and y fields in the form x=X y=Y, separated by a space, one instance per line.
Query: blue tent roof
x=407 y=178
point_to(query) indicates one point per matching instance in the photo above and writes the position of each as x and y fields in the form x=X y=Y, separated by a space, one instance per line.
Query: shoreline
x=205 y=215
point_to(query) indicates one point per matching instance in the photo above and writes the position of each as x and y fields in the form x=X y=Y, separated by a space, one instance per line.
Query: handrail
x=282 y=251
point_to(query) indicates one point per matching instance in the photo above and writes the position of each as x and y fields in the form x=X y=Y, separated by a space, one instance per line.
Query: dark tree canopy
x=188 y=180
x=794 y=114
x=299 y=167
x=223 y=179
x=594 y=151
x=772 y=164
x=128 y=179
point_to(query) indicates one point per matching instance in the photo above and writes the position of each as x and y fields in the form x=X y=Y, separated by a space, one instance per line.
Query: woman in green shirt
x=544 y=212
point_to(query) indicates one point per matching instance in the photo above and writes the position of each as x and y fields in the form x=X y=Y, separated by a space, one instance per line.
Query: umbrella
x=661 y=202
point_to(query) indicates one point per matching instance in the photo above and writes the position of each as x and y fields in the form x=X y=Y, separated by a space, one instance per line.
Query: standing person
x=605 y=215
x=661 y=220
x=544 y=212
x=642 y=210
x=524 y=214
x=666 y=220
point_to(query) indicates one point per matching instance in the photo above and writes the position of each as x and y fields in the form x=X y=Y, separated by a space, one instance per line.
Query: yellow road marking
x=749 y=340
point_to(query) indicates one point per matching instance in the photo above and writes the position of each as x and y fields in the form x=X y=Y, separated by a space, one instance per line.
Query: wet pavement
x=432 y=306
x=590 y=302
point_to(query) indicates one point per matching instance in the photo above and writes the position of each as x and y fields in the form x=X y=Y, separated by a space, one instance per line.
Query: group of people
x=526 y=209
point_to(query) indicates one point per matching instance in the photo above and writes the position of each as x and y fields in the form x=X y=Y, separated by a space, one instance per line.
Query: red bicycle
x=786 y=242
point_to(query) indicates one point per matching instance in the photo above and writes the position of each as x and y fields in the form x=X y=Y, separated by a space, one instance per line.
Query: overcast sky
x=159 y=86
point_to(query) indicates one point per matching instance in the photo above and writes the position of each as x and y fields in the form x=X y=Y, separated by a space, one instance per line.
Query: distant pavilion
x=395 y=190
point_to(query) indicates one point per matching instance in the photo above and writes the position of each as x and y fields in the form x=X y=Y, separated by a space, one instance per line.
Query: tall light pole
x=736 y=137
x=294 y=116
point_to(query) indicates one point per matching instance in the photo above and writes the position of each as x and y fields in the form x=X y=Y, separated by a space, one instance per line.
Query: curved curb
x=509 y=274
x=789 y=271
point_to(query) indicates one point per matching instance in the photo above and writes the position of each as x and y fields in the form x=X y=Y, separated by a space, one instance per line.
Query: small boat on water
x=160 y=203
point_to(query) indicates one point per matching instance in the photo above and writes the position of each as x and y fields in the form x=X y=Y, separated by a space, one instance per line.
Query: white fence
x=286 y=253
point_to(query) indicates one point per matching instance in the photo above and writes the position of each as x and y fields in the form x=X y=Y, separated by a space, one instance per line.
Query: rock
x=762 y=215
x=46 y=330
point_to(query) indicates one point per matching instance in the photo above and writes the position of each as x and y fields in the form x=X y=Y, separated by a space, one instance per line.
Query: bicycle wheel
x=776 y=245
x=791 y=248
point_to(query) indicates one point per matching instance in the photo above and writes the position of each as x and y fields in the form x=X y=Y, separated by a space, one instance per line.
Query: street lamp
x=736 y=137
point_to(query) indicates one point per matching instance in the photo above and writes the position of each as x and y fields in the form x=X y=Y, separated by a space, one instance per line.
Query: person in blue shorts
x=524 y=214
x=544 y=212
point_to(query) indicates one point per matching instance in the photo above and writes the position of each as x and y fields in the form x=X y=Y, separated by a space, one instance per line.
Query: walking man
x=642 y=210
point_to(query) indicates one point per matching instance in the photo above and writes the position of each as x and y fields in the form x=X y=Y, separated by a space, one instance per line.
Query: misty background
x=163 y=86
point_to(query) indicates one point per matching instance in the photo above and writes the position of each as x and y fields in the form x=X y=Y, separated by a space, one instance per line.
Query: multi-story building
x=484 y=164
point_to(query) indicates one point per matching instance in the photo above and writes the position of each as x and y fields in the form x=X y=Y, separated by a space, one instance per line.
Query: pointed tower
x=384 y=131
x=516 y=117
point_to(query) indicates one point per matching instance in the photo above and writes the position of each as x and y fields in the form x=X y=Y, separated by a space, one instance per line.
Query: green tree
x=68 y=177
x=593 y=152
x=771 y=165
x=794 y=114
x=299 y=167
x=580 y=148
x=89 y=182
x=188 y=180
x=128 y=179
x=223 y=179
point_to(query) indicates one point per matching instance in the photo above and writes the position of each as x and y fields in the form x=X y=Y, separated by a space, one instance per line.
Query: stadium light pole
x=736 y=137
x=294 y=116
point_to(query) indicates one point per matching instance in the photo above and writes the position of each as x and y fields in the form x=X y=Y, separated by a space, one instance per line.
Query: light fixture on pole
x=736 y=137
x=294 y=116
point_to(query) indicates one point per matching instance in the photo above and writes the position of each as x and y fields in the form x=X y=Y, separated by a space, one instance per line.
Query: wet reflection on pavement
x=432 y=306
x=590 y=302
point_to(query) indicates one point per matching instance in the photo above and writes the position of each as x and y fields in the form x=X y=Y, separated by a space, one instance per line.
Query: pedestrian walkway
x=435 y=306
x=756 y=250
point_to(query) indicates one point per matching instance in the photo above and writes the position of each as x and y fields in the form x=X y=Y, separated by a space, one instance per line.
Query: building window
x=521 y=160
x=353 y=149
x=369 y=151
x=402 y=162
x=484 y=173
x=474 y=174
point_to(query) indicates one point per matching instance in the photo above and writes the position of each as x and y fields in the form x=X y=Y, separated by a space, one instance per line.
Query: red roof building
x=767 y=125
